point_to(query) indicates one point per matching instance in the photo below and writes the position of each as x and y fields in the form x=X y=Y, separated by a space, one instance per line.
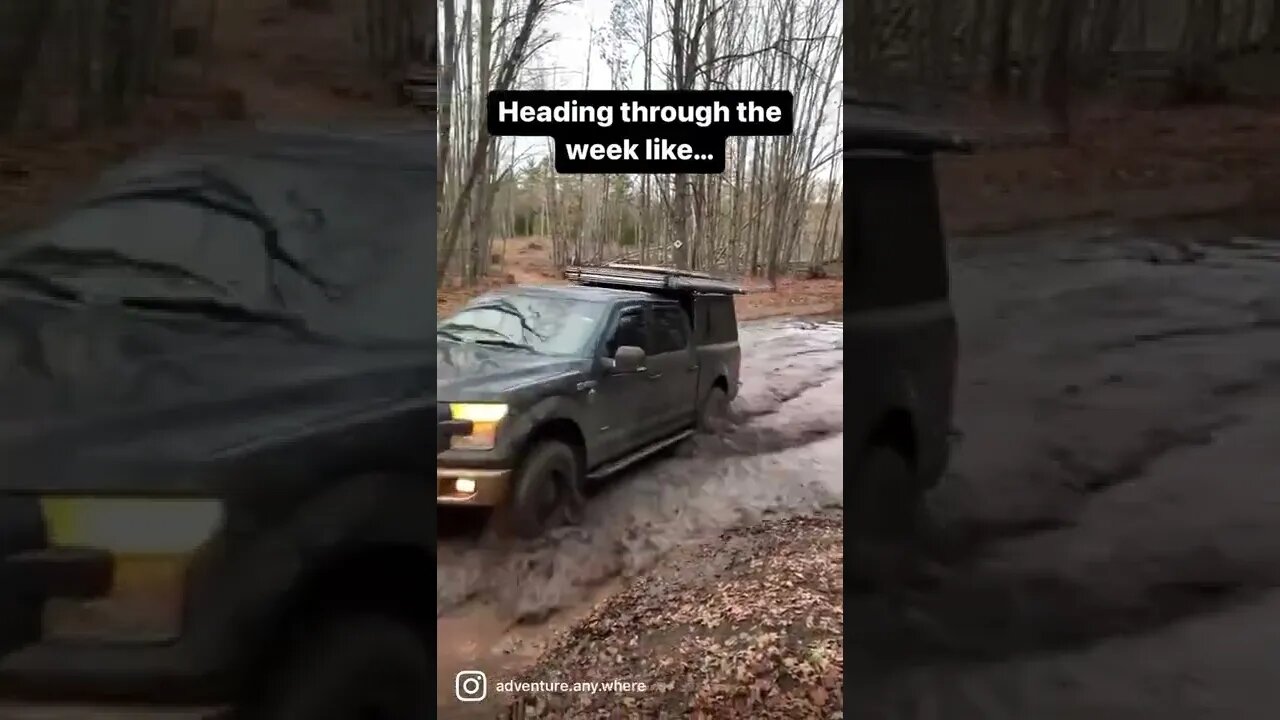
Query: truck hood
x=94 y=398
x=471 y=372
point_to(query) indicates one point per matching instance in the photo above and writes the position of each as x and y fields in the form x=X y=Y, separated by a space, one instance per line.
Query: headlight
x=152 y=542
x=485 y=418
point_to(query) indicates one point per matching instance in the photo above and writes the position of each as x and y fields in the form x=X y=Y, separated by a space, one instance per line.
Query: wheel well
x=391 y=580
x=896 y=429
x=562 y=429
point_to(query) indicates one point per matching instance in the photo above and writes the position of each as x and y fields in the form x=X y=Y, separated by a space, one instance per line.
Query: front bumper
x=50 y=673
x=491 y=486
x=27 y=711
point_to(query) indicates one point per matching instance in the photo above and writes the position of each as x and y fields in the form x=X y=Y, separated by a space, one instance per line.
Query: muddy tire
x=713 y=415
x=886 y=498
x=546 y=493
x=354 y=667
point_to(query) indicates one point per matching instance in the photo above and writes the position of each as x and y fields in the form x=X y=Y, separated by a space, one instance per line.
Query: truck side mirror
x=628 y=359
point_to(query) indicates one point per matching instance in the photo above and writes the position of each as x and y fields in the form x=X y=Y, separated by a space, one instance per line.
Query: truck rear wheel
x=365 y=666
x=546 y=492
x=713 y=416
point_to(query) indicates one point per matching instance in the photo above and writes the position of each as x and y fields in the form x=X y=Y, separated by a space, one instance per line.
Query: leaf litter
x=746 y=626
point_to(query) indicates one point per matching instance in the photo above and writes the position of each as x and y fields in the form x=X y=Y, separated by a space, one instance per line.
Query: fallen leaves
x=748 y=626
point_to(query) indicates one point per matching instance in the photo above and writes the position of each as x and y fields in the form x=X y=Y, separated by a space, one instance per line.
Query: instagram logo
x=471 y=686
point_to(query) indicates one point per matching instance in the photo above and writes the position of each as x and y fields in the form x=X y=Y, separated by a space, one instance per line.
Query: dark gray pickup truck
x=215 y=376
x=900 y=330
x=567 y=384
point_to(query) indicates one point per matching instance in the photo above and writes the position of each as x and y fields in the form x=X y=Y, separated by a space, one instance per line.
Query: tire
x=713 y=415
x=546 y=492
x=887 y=497
x=352 y=668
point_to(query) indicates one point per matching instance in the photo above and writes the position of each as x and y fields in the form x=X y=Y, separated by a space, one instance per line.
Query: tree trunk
x=22 y=32
x=1273 y=27
x=480 y=152
x=863 y=46
x=444 y=95
x=479 y=216
x=1001 y=42
x=1103 y=32
x=1056 y=78
x=1197 y=73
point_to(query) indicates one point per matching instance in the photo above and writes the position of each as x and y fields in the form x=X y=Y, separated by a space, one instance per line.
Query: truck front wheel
x=354 y=667
x=546 y=492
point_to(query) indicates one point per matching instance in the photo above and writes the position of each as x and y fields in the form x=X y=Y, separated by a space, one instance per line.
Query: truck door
x=619 y=409
x=673 y=370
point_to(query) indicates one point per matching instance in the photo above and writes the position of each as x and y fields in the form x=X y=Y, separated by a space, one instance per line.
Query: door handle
x=655 y=376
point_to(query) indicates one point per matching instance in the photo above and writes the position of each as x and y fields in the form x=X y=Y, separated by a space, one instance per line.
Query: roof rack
x=644 y=277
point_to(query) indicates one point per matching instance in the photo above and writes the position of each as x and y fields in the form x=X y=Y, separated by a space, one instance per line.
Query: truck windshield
x=545 y=325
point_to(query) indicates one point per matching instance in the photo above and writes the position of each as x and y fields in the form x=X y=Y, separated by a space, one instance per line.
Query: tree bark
x=22 y=31
x=1056 y=79
x=1001 y=42
x=480 y=153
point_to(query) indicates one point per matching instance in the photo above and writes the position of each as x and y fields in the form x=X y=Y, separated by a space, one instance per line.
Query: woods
x=84 y=64
x=918 y=52
x=778 y=204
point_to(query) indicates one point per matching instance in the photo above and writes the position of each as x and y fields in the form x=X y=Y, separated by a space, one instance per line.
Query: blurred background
x=84 y=83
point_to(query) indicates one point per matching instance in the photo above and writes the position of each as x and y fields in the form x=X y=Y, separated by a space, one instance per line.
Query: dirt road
x=1106 y=542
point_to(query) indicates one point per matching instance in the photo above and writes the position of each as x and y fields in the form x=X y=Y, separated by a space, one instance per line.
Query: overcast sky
x=563 y=62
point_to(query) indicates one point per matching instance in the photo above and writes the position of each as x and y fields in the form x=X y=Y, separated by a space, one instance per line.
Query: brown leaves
x=749 y=625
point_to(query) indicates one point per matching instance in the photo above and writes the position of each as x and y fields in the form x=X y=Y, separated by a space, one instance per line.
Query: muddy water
x=1107 y=541
x=783 y=453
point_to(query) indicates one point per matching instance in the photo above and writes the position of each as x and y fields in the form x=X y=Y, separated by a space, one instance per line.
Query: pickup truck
x=565 y=385
x=216 y=377
x=900 y=328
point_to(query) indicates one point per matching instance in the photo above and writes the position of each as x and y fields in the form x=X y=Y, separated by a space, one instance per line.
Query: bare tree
x=777 y=201
x=479 y=158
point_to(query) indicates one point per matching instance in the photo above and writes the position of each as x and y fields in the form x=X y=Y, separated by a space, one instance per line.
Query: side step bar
x=606 y=470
